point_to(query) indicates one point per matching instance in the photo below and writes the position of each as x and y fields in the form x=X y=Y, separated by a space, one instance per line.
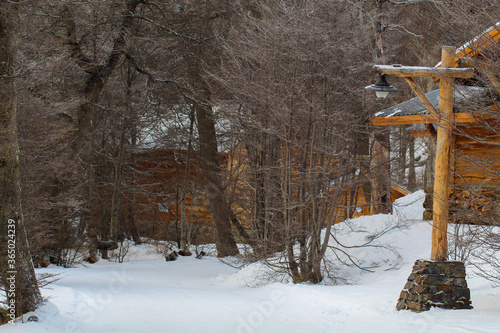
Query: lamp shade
x=381 y=88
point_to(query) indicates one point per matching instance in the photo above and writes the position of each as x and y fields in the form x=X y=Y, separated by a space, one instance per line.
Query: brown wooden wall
x=476 y=157
x=476 y=175
x=161 y=174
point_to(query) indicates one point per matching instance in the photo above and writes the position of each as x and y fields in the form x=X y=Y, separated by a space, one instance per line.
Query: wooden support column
x=447 y=72
x=442 y=166
x=427 y=293
x=421 y=94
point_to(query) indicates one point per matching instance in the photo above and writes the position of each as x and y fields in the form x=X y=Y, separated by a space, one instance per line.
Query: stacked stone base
x=435 y=284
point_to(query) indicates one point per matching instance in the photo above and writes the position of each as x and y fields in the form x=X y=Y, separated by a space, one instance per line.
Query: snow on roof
x=478 y=43
x=414 y=106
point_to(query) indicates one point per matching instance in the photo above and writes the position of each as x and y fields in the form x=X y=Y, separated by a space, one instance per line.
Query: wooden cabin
x=354 y=199
x=475 y=159
x=163 y=179
x=354 y=203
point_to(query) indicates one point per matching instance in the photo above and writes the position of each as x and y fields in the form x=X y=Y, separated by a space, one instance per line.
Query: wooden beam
x=415 y=71
x=472 y=140
x=420 y=93
x=459 y=118
x=444 y=143
x=403 y=120
x=463 y=118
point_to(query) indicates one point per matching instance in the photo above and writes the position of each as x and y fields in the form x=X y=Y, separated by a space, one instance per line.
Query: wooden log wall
x=160 y=175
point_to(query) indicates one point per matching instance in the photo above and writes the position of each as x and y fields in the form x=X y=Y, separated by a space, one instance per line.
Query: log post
x=442 y=166
x=444 y=284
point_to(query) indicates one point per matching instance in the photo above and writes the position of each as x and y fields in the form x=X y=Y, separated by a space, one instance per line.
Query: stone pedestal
x=435 y=283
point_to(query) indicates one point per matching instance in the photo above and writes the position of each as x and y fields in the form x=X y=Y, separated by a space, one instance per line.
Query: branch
x=410 y=2
x=103 y=70
x=151 y=76
x=398 y=28
x=351 y=259
x=169 y=30
x=119 y=42
x=73 y=45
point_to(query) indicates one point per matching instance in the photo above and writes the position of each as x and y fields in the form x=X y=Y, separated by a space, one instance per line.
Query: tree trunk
x=15 y=258
x=381 y=177
x=264 y=154
x=131 y=123
x=403 y=139
x=185 y=238
x=219 y=208
x=99 y=74
x=210 y=169
x=412 y=178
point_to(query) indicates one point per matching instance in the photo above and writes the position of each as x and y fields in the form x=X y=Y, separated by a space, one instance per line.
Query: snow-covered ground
x=148 y=294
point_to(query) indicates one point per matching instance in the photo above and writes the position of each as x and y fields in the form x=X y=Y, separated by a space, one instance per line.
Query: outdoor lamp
x=381 y=88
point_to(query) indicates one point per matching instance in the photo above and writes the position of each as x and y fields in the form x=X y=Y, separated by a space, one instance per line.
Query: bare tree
x=18 y=275
x=280 y=79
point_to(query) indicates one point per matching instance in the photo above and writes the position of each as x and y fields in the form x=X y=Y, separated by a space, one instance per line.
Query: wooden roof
x=413 y=111
x=399 y=190
x=479 y=44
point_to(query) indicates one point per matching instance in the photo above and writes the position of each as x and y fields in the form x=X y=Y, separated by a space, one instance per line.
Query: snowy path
x=190 y=295
x=147 y=294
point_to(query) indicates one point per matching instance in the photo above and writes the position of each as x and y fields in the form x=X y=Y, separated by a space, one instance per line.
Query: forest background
x=263 y=99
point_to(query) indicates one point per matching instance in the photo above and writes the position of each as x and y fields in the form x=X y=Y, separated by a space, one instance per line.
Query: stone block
x=419 y=278
x=462 y=304
x=408 y=285
x=438 y=280
x=401 y=305
x=421 y=288
x=423 y=298
x=435 y=284
x=422 y=263
x=446 y=289
x=419 y=270
x=427 y=215
x=455 y=271
x=459 y=292
x=418 y=307
x=440 y=297
x=460 y=282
